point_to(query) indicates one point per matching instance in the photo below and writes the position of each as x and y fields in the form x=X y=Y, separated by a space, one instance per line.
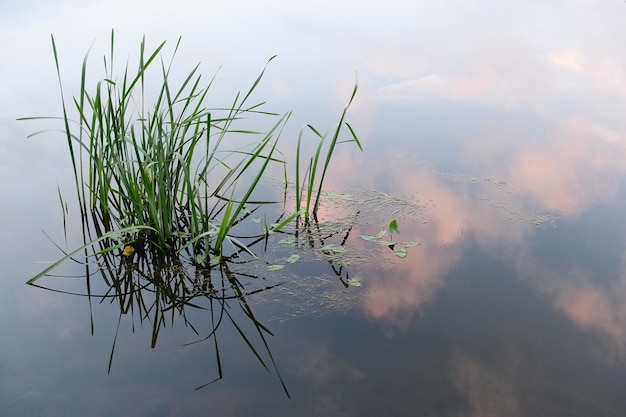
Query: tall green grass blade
x=331 y=149
x=287 y=221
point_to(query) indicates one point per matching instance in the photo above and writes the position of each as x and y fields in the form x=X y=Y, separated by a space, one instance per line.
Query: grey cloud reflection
x=488 y=392
x=316 y=363
x=51 y=312
x=497 y=72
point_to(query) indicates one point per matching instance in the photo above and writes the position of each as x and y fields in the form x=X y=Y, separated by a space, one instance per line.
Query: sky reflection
x=503 y=121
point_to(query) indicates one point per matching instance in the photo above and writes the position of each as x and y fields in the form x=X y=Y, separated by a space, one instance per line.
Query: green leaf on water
x=355 y=281
x=411 y=244
x=400 y=252
x=339 y=196
x=328 y=248
x=393 y=227
x=201 y=258
x=215 y=260
x=275 y=267
x=387 y=242
x=287 y=241
x=369 y=238
x=332 y=248
x=293 y=258
x=257 y=220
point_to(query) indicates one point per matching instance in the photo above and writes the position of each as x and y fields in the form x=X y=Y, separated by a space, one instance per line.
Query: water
x=493 y=135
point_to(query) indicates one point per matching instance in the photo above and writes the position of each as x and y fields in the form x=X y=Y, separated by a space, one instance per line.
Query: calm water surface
x=494 y=136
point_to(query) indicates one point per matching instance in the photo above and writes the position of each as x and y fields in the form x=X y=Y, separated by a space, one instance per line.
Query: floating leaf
x=287 y=241
x=410 y=244
x=275 y=267
x=201 y=258
x=215 y=260
x=387 y=242
x=332 y=248
x=369 y=238
x=400 y=252
x=257 y=220
x=338 y=196
x=293 y=258
x=381 y=234
x=355 y=281
x=393 y=227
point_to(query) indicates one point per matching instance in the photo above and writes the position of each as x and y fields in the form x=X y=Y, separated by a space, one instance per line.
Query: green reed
x=311 y=184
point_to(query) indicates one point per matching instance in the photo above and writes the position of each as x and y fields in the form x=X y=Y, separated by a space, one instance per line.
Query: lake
x=469 y=262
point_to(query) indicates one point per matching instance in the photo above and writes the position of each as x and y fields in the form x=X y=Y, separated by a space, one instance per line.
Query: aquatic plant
x=398 y=248
x=149 y=167
x=160 y=191
x=311 y=184
x=162 y=173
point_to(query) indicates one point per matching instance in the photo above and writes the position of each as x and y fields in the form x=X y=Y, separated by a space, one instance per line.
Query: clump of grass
x=155 y=167
x=162 y=176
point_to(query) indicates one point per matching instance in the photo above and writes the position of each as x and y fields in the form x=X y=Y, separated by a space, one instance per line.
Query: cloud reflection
x=577 y=169
x=451 y=217
x=593 y=304
x=51 y=312
x=404 y=289
x=593 y=308
x=488 y=392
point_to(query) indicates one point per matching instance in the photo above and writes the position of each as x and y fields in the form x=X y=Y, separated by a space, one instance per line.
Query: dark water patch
x=593 y=241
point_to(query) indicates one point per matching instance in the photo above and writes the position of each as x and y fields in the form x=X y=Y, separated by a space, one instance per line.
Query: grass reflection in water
x=150 y=286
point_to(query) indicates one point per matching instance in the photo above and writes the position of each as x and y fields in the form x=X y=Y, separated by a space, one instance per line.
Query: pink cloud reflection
x=594 y=308
x=578 y=167
x=405 y=288
x=573 y=166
